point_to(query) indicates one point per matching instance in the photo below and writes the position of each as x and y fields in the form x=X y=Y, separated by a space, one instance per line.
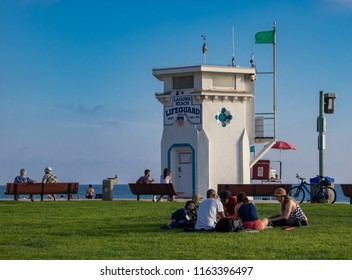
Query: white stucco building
x=209 y=125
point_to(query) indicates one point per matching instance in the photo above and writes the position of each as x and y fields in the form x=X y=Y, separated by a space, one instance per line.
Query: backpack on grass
x=228 y=225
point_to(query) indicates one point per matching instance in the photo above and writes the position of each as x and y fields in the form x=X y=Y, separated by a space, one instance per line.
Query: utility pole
x=326 y=105
x=321 y=137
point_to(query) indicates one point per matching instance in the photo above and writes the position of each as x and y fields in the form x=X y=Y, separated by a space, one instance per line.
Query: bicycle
x=322 y=192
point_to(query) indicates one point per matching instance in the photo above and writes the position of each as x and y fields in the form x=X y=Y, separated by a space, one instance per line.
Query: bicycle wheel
x=327 y=195
x=297 y=193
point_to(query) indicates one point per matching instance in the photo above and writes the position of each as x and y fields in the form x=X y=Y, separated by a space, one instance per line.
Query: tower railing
x=264 y=127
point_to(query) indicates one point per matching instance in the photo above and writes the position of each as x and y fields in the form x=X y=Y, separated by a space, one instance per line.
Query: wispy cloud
x=113 y=122
x=89 y=110
x=81 y=109
x=341 y=3
x=121 y=122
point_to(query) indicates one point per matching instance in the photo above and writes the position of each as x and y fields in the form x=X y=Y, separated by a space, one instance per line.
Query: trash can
x=108 y=188
x=331 y=181
x=314 y=183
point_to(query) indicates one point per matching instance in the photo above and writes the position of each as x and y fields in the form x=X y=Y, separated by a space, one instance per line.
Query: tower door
x=182 y=170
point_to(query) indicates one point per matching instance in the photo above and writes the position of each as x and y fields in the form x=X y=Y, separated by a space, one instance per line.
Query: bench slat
x=152 y=189
x=253 y=189
x=347 y=190
x=42 y=188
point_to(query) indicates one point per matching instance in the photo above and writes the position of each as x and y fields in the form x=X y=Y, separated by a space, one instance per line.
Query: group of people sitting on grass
x=211 y=210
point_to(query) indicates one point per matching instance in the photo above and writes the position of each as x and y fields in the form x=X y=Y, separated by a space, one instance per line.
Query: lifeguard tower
x=209 y=125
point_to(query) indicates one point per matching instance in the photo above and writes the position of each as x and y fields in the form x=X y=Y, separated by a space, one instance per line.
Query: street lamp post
x=326 y=105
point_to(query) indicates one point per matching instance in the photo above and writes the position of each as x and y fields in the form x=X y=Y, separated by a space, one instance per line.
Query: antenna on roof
x=233 y=47
x=205 y=49
x=252 y=61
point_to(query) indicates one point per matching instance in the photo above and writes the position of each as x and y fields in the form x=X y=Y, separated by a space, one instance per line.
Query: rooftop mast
x=233 y=47
x=205 y=49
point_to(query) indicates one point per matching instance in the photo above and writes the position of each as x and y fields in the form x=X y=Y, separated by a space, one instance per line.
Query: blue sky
x=77 y=90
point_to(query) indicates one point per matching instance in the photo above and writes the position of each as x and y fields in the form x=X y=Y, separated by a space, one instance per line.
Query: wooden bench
x=153 y=189
x=42 y=189
x=347 y=190
x=253 y=189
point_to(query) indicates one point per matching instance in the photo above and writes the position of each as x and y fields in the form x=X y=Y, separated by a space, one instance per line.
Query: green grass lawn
x=130 y=230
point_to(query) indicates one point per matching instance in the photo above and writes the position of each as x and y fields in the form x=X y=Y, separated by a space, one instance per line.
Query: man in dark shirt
x=229 y=202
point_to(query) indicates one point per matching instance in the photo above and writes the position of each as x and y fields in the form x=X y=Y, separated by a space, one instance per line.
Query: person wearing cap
x=49 y=177
x=229 y=202
x=291 y=213
x=247 y=212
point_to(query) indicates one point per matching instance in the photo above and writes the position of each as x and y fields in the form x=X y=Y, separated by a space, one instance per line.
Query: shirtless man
x=90 y=192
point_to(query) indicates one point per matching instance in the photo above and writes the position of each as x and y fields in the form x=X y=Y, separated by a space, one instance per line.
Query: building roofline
x=160 y=72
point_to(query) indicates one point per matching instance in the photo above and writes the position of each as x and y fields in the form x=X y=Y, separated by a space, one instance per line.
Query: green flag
x=265 y=37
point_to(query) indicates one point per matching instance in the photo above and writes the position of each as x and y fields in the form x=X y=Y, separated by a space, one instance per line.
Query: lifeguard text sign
x=182 y=110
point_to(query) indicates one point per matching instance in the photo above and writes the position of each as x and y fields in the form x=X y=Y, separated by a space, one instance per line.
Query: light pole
x=326 y=105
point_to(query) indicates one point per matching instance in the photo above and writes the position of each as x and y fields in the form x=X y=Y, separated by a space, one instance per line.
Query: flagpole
x=274 y=80
x=205 y=49
x=233 y=47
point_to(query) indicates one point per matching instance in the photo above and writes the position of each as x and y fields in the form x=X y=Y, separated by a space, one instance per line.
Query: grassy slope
x=130 y=230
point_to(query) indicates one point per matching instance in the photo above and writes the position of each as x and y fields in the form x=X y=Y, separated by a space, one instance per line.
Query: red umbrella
x=282 y=145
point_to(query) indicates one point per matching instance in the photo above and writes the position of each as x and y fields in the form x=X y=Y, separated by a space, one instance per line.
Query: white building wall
x=223 y=143
x=220 y=154
x=197 y=81
x=177 y=139
x=203 y=167
x=168 y=84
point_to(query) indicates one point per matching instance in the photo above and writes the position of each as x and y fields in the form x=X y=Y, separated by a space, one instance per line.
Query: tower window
x=183 y=82
x=221 y=81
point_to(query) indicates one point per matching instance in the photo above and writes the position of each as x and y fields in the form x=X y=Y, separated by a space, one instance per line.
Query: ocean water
x=122 y=191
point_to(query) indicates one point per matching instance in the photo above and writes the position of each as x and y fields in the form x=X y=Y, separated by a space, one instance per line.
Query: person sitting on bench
x=166 y=179
x=23 y=179
x=49 y=177
x=146 y=179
